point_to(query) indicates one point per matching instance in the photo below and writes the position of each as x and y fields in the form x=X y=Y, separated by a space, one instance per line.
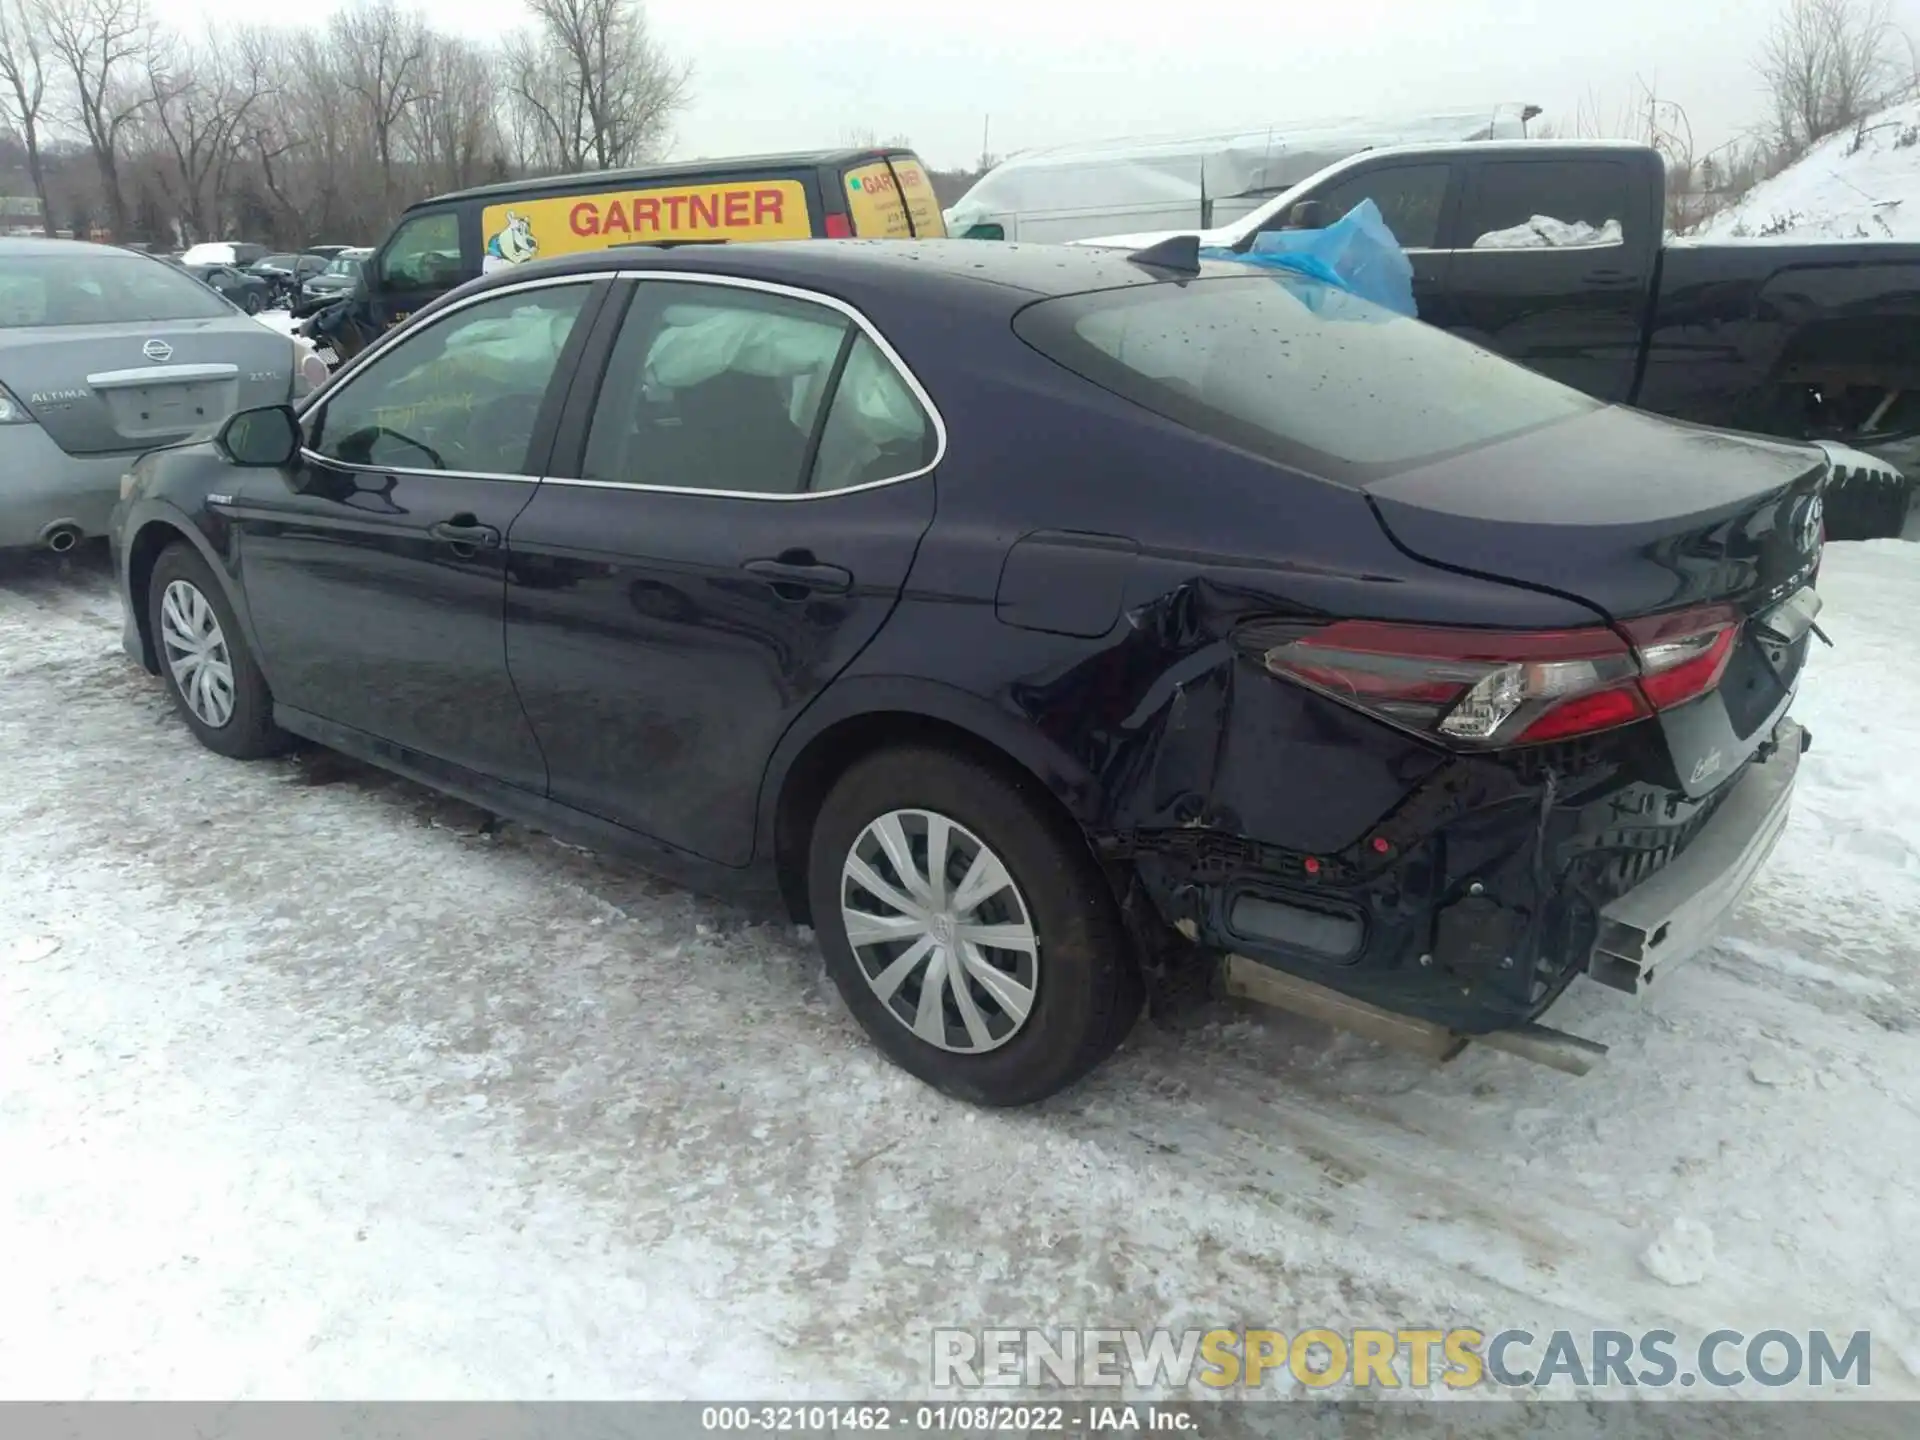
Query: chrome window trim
x=341 y=378
x=792 y=292
x=812 y=297
x=314 y=457
x=401 y=333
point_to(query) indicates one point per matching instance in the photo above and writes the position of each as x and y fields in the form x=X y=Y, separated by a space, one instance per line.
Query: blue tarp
x=1357 y=254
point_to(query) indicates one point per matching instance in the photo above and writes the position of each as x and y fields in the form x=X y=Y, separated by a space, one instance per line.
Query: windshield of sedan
x=98 y=287
x=1298 y=371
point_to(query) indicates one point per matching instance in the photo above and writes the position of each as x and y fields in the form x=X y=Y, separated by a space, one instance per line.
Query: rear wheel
x=967 y=928
x=212 y=678
x=252 y=302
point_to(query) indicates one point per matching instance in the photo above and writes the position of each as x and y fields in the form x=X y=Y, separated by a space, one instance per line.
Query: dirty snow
x=281 y=322
x=1861 y=184
x=1543 y=232
x=314 y=1084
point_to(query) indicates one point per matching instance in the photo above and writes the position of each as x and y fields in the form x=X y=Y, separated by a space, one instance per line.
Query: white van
x=1200 y=182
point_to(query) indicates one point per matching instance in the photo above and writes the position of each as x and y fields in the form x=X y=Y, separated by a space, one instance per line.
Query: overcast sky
x=794 y=75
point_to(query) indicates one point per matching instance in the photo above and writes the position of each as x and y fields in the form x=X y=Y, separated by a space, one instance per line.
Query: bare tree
x=201 y=98
x=23 y=70
x=454 y=125
x=382 y=63
x=592 y=84
x=1829 y=64
x=100 y=44
x=317 y=133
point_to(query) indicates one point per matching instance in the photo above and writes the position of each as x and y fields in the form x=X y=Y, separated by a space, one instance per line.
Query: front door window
x=463 y=394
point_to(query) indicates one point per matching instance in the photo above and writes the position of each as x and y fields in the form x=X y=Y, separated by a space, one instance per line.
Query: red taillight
x=839 y=228
x=1492 y=688
x=1683 y=655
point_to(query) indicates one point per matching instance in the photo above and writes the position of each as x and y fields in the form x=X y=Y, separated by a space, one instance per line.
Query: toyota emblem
x=157 y=351
x=1809 y=532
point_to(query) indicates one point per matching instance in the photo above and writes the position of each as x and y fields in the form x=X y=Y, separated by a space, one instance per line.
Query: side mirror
x=263 y=438
x=1307 y=215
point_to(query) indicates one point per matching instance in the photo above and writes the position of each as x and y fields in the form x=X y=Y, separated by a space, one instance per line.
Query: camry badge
x=157 y=351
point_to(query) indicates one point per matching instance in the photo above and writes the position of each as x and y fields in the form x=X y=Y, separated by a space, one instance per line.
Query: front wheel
x=968 y=928
x=209 y=673
x=252 y=302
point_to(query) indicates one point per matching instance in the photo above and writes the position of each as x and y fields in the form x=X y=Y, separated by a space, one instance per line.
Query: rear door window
x=1546 y=204
x=711 y=387
x=716 y=388
x=875 y=429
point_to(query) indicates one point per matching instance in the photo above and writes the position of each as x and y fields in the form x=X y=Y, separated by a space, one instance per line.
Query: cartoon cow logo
x=513 y=245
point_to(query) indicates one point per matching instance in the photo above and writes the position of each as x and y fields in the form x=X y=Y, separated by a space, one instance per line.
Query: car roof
x=23 y=245
x=679 y=169
x=1019 y=273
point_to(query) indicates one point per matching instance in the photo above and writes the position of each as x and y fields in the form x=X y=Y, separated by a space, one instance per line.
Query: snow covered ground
x=1858 y=185
x=279 y=321
x=312 y=1085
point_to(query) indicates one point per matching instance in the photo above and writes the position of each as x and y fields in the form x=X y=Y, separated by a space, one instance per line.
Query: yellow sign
x=524 y=230
x=873 y=200
x=922 y=203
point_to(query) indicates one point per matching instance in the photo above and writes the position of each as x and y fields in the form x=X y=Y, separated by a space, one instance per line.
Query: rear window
x=1535 y=204
x=922 y=204
x=100 y=287
x=1299 y=372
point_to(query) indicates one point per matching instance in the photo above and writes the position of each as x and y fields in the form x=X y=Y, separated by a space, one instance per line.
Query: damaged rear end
x=1540 y=801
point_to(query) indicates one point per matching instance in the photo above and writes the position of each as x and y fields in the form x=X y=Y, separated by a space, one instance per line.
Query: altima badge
x=157 y=351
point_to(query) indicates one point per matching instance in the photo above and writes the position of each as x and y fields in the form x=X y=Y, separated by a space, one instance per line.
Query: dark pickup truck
x=1553 y=253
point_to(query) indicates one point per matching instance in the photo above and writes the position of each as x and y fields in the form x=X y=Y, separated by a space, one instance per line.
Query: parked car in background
x=439 y=243
x=252 y=293
x=1552 y=254
x=1071 y=192
x=1017 y=613
x=237 y=253
x=335 y=280
x=286 y=273
x=105 y=353
x=329 y=251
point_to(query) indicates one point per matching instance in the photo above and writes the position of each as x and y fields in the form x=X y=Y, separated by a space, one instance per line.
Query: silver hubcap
x=940 y=930
x=197 y=654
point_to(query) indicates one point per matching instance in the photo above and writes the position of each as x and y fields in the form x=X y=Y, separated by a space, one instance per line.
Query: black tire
x=252 y=302
x=248 y=732
x=1087 y=988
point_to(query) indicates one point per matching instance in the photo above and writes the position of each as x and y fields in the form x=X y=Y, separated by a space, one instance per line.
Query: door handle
x=801 y=573
x=463 y=530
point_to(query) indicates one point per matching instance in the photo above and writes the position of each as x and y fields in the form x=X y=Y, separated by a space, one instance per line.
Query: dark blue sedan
x=1028 y=621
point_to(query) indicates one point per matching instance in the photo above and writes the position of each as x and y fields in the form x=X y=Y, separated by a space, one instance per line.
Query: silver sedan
x=104 y=355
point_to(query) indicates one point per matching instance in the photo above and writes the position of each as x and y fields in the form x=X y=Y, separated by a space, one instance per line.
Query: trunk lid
x=1636 y=516
x=115 y=388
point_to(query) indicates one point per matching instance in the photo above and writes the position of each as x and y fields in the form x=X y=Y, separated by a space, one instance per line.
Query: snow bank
x=281 y=322
x=1862 y=184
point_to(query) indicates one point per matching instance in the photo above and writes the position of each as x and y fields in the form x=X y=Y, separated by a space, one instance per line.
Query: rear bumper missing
x=1679 y=910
